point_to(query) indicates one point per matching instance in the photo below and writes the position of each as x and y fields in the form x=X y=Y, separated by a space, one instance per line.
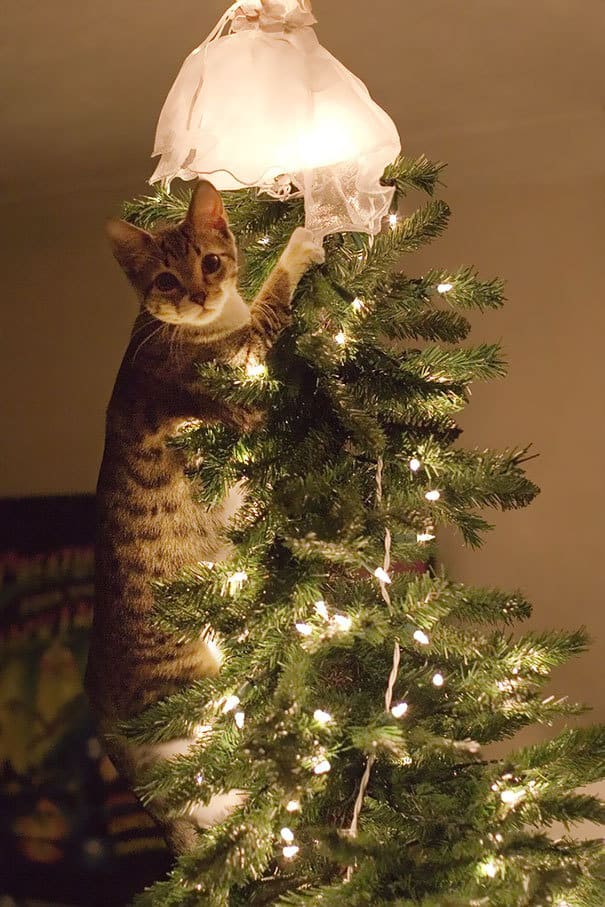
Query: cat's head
x=184 y=274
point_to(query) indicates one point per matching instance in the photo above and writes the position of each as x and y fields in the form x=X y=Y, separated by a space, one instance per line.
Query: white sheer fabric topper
x=262 y=103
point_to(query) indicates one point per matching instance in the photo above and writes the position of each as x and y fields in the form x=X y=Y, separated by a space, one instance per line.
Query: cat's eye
x=165 y=282
x=211 y=263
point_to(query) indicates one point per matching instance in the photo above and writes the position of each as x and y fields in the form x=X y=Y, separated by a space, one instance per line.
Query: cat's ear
x=206 y=208
x=129 y=244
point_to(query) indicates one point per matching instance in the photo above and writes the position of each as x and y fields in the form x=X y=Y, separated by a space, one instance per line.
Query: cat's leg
x=179 y=828
x=270 y=311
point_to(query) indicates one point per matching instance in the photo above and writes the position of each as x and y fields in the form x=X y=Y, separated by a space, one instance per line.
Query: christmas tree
x=359 y=684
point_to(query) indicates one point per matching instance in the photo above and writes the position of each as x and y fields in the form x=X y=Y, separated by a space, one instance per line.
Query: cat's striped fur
x=149 y=526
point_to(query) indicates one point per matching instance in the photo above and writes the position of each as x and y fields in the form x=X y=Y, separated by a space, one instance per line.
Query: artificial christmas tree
x=356 y=693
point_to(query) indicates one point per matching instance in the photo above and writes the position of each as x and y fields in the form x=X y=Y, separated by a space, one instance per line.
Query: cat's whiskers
x=149 y=336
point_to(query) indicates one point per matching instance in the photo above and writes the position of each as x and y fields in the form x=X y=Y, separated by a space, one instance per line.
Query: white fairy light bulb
x=399 y=710
x=293 y=806
x=304 y=629
x=341 y=338
x=424 y=536
x=433 y=495
x=240 y=719
x=489 y=869
x=421 y=637
x=230 y=703
x=445 y=287
x=287 y=835
x=415 y=464
x=290 y=851
x=236 y=581
x=264 y=240
x=255 y=369
x=343 y=622
x=438 y=680
x=512 y=797
x=322 y=767
x=199 y=779
x=381 y=574
x=322 y=717
x=357 y=304
x=322 y=610
x=202 y=730
x=393 y=221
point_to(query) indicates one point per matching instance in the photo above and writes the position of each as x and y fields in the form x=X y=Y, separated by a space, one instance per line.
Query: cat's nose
x=199 y=297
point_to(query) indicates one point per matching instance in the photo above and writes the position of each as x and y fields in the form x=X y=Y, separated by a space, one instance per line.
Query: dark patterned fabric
x=70 y=832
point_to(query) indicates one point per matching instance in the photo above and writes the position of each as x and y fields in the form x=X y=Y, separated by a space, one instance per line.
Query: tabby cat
x=149 y=526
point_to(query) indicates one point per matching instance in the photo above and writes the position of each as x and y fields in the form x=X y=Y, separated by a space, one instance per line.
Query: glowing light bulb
x=199 y=779
x=512 y=797
x=322 y=767
x=293 y=806
x=322 y=610
x=438 y=680
x=424 y=536
x=341 y=338
x=342 y=622
x=287 y=835
x=231 y=702
x=490 y=869
x=264 y=240
x=201 y=730
x=445 y=287
x=290 y=851
x=304 y=629
x=393 y=221
x=240 y=719
x=399 y=710
x=382 y=575
x=322 y=717
x=236 y=581
x=415 y=464
x=357 y=304
x=498 y=837
x=421 y=637
x=433 y=495
x=256 y=369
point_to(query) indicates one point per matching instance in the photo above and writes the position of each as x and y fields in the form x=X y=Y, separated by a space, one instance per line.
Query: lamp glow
x=433 y=495
x=399 y=710
x=290 y=851
x=445 y=287
x=438 y=680
x=309 y=123
x=421 y=637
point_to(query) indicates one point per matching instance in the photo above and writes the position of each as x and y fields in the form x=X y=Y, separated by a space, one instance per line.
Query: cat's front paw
x=304 y=249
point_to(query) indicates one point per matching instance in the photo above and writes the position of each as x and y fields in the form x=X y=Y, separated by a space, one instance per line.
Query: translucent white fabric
x=262 y=103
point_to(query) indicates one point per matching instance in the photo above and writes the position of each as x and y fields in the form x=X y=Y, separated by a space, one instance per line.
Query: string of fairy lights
x=509 y=790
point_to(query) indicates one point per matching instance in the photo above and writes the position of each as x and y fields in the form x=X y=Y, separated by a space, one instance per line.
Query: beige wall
x=509 y=93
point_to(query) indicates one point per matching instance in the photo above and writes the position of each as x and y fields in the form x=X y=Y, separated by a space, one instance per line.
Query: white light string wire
x=388 y=695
